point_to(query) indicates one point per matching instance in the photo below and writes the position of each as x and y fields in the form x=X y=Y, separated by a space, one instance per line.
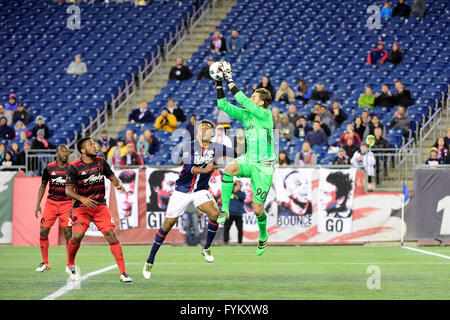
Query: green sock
x=227 y=189
x=262 y=225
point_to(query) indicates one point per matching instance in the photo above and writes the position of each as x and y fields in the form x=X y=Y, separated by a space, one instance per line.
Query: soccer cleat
x=262 y=245
x=207 y=254
x=223 y=216
x=124 y=277
x=43 y=266
x=147 y=271
x=74 y=273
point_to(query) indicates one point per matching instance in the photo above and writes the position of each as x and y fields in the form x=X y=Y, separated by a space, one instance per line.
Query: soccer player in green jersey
x=259 y=161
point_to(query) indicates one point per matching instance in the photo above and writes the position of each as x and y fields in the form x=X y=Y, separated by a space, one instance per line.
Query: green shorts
x=260 y=174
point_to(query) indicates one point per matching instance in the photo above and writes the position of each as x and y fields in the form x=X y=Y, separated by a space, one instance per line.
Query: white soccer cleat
x=43 y=266
x=74 y=273
x=207 y=254
x=124 y=277
x=147 y=271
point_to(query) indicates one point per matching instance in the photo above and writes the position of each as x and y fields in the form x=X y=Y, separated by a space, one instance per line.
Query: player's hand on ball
x=226 y=70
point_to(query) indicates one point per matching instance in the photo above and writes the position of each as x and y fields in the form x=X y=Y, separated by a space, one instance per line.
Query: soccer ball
x=214 y=71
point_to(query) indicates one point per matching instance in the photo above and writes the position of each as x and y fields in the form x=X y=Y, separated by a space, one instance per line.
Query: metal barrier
x=36 y=160
x=428 y=128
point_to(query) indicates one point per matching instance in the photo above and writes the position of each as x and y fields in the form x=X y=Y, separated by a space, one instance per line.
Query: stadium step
x=191 y=44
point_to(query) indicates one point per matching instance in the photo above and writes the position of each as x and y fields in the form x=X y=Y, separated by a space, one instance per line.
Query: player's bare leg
x=160 y=236
x=116 y=250
x=231 y=170
x=44 y=244
x=258 y=209
x=211 y=209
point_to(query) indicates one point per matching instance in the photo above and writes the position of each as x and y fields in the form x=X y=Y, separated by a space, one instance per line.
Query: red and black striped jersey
x=56 y=175
x=89 y=179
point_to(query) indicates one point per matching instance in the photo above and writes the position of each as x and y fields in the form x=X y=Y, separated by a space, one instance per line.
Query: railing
x=428 y=128
x=36 y=160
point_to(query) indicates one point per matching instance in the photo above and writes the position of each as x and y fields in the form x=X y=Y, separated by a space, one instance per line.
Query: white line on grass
x=69 y=287
x=427 y=252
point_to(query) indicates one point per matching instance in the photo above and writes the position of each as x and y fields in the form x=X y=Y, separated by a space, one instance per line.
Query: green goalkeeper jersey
x=258 y=127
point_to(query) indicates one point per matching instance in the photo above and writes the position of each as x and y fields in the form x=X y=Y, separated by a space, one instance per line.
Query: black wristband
x=220 y=93
x=235 y=90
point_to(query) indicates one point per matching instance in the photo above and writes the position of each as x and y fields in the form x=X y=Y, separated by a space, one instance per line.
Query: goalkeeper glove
x=226 y=70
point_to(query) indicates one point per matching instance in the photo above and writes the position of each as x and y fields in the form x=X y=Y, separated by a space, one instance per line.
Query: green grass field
x=299 y=273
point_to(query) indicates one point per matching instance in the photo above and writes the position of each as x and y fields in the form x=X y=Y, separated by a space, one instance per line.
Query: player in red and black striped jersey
x=86 y=185
x=58 y=205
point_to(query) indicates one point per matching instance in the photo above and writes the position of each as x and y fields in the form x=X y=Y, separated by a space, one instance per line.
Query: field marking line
x=427 y=252
x=67 y=287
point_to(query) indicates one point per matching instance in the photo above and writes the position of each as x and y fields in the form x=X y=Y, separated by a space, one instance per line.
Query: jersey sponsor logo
x=59 y=180
x=206 y=158
x=53 y=173
x=83 y=173
x=93 y=179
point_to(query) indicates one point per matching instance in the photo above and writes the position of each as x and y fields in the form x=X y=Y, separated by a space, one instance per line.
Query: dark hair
x=81 y=142
x=446 y=146
x=287 y=160
x=342 y=182
x=62 y=145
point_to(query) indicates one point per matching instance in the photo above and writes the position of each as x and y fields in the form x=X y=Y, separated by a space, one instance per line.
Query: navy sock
x=160 y=236
x=212 y=229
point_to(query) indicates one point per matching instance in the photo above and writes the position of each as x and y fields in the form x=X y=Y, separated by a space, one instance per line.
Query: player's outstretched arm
x=231 y=110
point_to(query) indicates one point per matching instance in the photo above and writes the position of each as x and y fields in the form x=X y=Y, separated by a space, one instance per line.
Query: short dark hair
x=81 y=142
x=342 y=182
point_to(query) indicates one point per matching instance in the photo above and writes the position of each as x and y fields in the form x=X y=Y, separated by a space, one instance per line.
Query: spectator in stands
x=276 y=116
x=433 y=159
x=11 y=105
x=284 y=93
x=40 y=125
x=320 y=93
x=350 y=148
x=20 y=127
x=374 y=123
x=190 y=127
x=301 y=127
x=21 y=114
x=120 y=144
x=447 y=136
x=323 y=125
x=235 y=42
x=204 y=73
x=2 y=152
x=303 y=93
x=141 y=114
x=223 y=118
x=418 y=8
x=365 y=117
x=316 y=136
x=114 y=156
x=292 y=114
x=327 y=118
x=386 y=11
x=442 y=149
x=358 y=126
x=153 y=142
x=367 y=99
x=7 y=162
x=130 y=138
x=377 y=54
x=402 y=96
x=349 y=133
x=77 y=67
x=142 y=146
x=218 y=43
x=380 y=142
x=240 y=143
x=18 y=157
x=180 y=71
x=396 y=54
x=385 y=98
x=315 y=110
x=131 y=158
x=306 y=157
x=401 y=120
x=106 y=140
x=286 y=128
x=365 y=158
x=176 y=111
x=6 y=132
x=101 y=151
x=221 y=137
x=402 y=10
x=40 y=143
x=5 y=113
x=283 y=159
x=341 y=157
x=337 y=113
x=166 y=121
x=266 y=84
